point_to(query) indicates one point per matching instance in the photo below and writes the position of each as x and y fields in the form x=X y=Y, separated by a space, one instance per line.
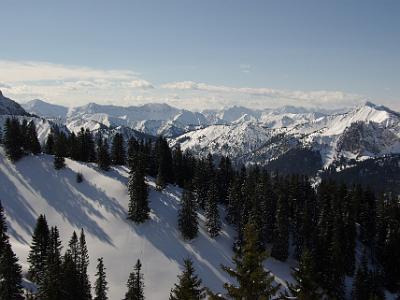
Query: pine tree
x=138 y=210
x=213 y=222
x=83 y=264
x=32 y=139
x=280 y=248
x=305 y=286
x=10 y=275
x=135 y=284
x=118 y=150
x=51 y=285
x=38 y=254
x=103 y=156
x=187 y=215
x=253 y=281
x=361 y=284
x=10 y=270
x=59 y=151
x=70 y=278
x=12 y=139
x=100 y=287
x=189 y=285
x=165 y=165
x=49 y=147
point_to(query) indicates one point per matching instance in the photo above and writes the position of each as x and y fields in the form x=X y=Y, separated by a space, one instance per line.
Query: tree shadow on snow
x=207 y=254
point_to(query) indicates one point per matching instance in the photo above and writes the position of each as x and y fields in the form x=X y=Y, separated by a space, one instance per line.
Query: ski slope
x=99 y=205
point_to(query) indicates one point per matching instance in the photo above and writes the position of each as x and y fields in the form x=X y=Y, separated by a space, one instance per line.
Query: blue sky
x=201 y=53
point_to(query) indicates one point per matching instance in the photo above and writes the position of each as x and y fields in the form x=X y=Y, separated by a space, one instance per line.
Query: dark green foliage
x=100 y=287
x=187 y=216
x=135 y=284
x=280 y=248
x=32 y=139
x=49 y=147
x=38 y=254
x=13 y=140
x=82 y=267
x=118 y=150
x=51 y=287
x=164 y=160
x=10 y=275
x=60 y=150
x=86 y=146
x=305 y=286
x=103 y=156
x=79 y=177
x=189 y=285
x=70 y=278
x=213 y=222
x=138 y=210
x=253 y=281
x=10 y=270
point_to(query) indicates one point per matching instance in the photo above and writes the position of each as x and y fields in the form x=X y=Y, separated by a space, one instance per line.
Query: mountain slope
x=10 y=107
x=99 y=205
x=46 y=110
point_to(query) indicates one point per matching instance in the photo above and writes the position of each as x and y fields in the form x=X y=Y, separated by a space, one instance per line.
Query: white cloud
x=140 y=84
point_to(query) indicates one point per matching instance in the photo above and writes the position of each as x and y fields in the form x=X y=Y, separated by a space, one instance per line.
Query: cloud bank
x=77 y=85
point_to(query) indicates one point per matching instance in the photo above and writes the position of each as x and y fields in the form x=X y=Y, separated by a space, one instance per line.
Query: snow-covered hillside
x=46 y=110
x=99 y=205
x=10 y=107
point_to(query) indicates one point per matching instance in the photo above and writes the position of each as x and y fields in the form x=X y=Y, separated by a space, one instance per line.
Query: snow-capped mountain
x=10 y=107
x=46 y=110
x=246 y=135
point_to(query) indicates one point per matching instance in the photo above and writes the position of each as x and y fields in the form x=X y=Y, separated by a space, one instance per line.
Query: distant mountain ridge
x=246 y=135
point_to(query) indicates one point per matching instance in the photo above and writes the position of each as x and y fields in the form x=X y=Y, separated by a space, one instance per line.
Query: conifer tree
x=10 y=275
x=280 y=248
x=213 y=222
x=189 y=285
x=253 y=281
x=32 y=139
x=133 y=149
x=49 y=146
x=100 y=287
x=118 y=150
x=361 y=284
x=10 y=270
x=138 y=210
x=187 y=215
x=70 y=278
x=59 y=151
x=165 y=165
x=83 y=264
x=305 y=286
x=38 y=254
x=51 y=287
x=12 y=139
x=103 y=156
x=135 y=284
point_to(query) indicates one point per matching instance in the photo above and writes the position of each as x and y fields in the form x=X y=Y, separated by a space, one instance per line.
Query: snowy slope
x=10 y=107
x=46 y=110
x=99 y=205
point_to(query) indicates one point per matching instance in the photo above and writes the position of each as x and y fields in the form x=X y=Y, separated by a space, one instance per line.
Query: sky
x=201 y=54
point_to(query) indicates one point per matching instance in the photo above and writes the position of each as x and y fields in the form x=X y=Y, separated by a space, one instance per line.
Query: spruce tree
x=51 y=287
x=103 y=156
x=213 y=222
x=118 y=150
x=70 y=278
x=280 y=248
x=38 y=253
x=83 y=264
x=10 y=270
x=305 y=286
x=49 y=146
x=59 y=151
x=253 y=281
x=189 y=285
x=187 y=215
x=165 y=165
x=100 y=286
x=32 y=139
x=10 y=275
x=361 y=284
x=12 y=139
x=135 y=284
x=138 y=210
